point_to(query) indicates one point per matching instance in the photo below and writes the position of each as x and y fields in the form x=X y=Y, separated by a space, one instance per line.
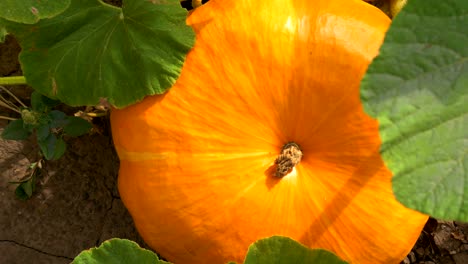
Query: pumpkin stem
x=290 y=156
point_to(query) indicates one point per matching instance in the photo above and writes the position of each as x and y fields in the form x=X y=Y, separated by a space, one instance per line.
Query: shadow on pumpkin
x=358 y=181
x=270 y=179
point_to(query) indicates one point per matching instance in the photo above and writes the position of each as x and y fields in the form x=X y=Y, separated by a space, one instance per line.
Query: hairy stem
x=12 y=95
x=9 y=107
x=8 y=118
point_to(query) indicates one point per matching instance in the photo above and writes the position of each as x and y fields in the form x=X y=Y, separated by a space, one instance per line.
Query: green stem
x=12 y=80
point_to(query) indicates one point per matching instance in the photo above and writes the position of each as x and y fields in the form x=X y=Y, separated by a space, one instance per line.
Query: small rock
x=406 y=261
x=427 y=251
x=412 y=257
x=464 y=247
x=420 y=251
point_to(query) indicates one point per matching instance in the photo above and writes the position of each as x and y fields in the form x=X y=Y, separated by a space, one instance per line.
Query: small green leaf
x=26 y=189
x=41 y=103
x=30 y=11
x=33 y=165
x=43 y=132
x=284 y=250
x=76 y=126
x=52 y=147
x=60 y=148
x=417 y=88
x=118 y=251
x=94 y=51
x=48 y=146
x=20 y=193
x=15 y=130
x=58 y=119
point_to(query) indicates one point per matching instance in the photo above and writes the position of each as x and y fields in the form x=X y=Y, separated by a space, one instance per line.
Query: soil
x=77 y=206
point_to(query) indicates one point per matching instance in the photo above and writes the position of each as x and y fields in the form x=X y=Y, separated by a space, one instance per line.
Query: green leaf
x=36 y=102
x=117 y=251
x=15 y=130
x=284 y=250
x=20 y=193
x=31 y=11
x=52 y=147
x=3 y=34
x=58 y=119
x=76 y=126
x=95 y=51
x=26 y=188
x=33 y=165
x=42 y=132
x=417 y=88
x=60 y=148
x=41 y=103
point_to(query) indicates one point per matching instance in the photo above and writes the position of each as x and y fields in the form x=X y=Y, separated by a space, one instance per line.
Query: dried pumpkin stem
x=290 y=156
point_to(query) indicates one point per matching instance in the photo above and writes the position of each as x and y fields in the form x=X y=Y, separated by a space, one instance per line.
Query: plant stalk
x=8 y=118
x=9 y=107
x=14 y=97
x=12 y=80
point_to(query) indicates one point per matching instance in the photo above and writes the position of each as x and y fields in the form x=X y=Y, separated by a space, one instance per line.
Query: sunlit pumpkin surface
x=197 y=164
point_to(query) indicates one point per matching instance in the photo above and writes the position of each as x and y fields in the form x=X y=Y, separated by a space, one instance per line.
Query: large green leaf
x=117 y=251
x=31 y=11
x=284 y=250
x=94 y=50
x=417 y=88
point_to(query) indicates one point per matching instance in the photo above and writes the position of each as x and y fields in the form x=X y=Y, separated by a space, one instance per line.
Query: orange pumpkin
x=200 y=172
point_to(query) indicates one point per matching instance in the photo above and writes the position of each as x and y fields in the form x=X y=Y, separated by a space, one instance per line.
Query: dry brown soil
x=77 y=205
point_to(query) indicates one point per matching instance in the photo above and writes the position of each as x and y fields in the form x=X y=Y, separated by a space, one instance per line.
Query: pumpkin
x=264 y=134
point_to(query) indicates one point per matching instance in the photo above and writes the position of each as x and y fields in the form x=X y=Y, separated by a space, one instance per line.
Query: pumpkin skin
x=197 y=163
